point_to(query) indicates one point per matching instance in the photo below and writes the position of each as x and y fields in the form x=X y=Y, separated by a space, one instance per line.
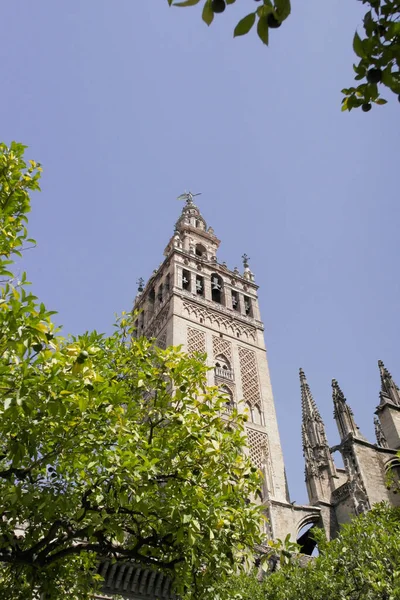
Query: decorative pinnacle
x=388 y=386
x=337 y=391
x=338 y=395
x=140 y=284
x=385 y=376
x=245 y=260
x=384 y=373
x=308 y=406
x=188 y=197
x=380 y=436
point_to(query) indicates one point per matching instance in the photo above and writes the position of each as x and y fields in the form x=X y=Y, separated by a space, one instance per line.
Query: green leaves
x=363 y=562
x=378 y=49
x=208 y=13
x=245 y=25
x=358 y=46
x=262 y=29
x=186 y=3
x=283 y=9
x=379 y=52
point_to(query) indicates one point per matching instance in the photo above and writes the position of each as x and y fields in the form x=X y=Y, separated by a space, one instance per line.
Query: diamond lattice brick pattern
x=196 y=340
x=258 y=446
x=248 y=371
x=221 y=346
x=162 y=341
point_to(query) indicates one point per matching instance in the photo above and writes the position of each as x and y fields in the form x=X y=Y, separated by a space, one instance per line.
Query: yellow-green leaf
x=208 y=13
x=283 y=9
x=245 y=25
x=187 y=3
x=262 y=30
x=358 y=46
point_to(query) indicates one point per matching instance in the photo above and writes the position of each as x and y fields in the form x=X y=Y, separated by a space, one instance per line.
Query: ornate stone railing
x=228 y=408
x=225 y=373
x=341 y=492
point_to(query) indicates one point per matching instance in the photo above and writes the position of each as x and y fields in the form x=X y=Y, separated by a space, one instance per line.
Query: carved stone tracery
x=196 y=340
x=228 y=324
x=158 y=322
x=162 y=340
x=222 y=346
x=249 y=374
x=260 y=456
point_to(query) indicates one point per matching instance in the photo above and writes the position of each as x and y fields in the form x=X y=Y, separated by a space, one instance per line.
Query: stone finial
x=380 y=436
x=389 y=390
x=247 y=274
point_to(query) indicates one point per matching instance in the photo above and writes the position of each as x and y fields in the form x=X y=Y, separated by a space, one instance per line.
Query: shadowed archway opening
x=305 y=537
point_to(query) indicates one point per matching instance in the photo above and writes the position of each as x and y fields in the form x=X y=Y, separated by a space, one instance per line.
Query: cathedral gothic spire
x=343 y=414
x=313 y=429
x=315 y=445
x=389 y=390
x=308 y=406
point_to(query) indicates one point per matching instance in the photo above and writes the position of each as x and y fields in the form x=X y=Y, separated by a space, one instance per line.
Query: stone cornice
x=350 y=440
x=386 y=404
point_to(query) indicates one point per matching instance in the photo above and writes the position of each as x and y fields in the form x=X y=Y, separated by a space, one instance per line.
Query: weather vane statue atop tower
x=245 y=260
x=188 y=197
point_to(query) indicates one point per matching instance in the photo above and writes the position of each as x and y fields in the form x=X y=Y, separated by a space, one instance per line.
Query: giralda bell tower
x=194 y=301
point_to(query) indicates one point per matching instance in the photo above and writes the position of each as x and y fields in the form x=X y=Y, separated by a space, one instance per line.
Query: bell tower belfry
x=195 y=301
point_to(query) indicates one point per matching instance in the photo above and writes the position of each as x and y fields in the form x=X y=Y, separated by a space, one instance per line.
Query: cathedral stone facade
x=194 y=301
x=341 y=493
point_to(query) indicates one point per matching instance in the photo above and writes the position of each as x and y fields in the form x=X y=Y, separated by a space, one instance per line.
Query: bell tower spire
x=195 y=301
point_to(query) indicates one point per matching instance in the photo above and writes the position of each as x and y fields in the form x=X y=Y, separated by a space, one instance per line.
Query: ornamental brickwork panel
x=162 y=340
x=196 y=340
x=258 y=446
x=228 y=324
x=249 y=373
x=222 y=346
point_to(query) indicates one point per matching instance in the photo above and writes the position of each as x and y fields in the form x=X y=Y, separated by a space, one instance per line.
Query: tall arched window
x=217 y=288
x=249 y=410
x=258 y=416
x=230 y=404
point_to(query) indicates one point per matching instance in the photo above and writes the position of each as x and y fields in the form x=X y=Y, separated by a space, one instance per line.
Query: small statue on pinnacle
x=245 y=259
x=188 y=197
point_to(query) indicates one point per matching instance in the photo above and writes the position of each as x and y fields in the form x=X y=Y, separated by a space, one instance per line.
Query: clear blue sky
x=128 y=103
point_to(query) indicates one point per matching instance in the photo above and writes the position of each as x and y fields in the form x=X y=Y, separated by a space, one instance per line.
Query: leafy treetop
x=378 y=47
x=109 y=446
